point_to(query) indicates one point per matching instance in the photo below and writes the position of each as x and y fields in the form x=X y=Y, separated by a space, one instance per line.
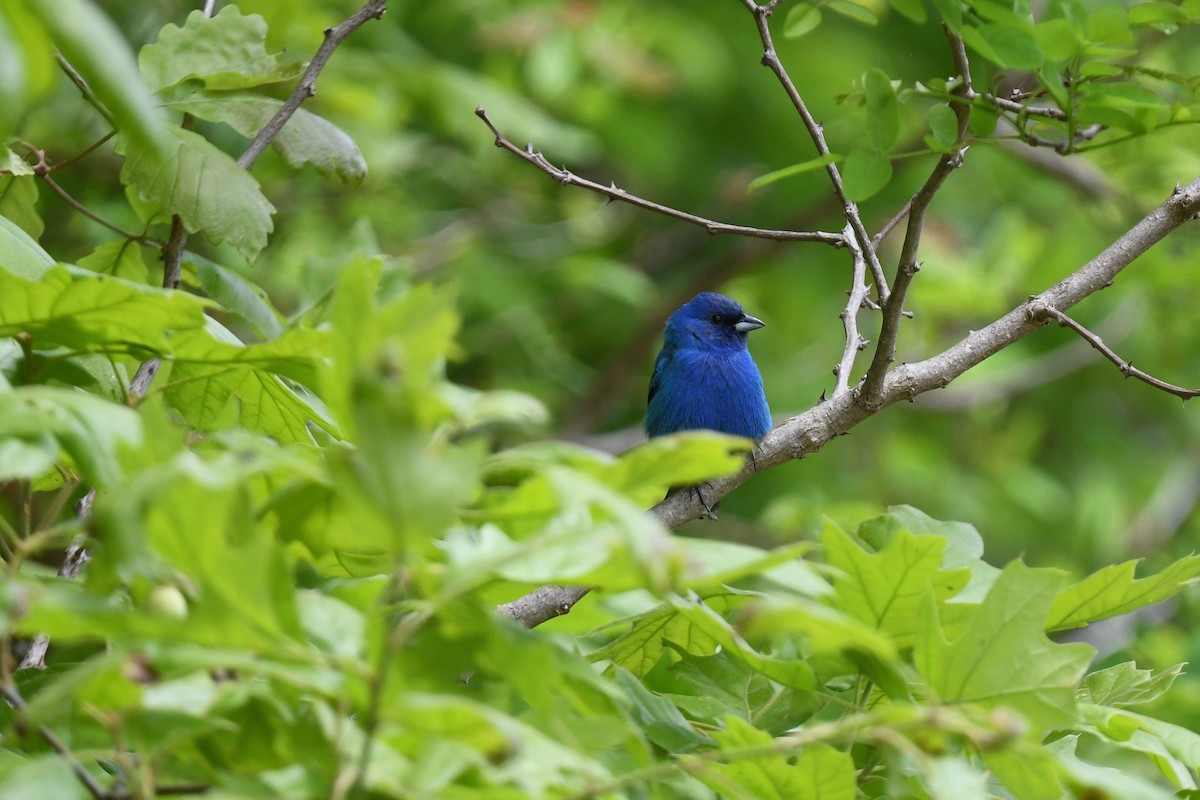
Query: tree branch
x=566 y=177
x=1047 y=313
x=854 y=340
x=893 y=307
x=771 y=60
x=372 y=9
x=14 y=699
x=806 y=433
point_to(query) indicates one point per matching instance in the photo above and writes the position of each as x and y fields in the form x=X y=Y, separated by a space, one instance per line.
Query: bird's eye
x=717 y=319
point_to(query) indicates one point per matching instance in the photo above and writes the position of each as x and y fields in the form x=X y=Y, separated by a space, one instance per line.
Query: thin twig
x=80 y=156
x=893 y=308
x=806 y=433
x=878 y=238
x=854 y=340
x=1047 y=312
x=1006 y=104
x=82 y=209
x=849 y=209
x=14 y=699
x=83 y=87
x=373 y=9
x=612 y=192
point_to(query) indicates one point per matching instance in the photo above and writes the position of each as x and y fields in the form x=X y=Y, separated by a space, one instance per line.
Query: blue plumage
x=705 y=377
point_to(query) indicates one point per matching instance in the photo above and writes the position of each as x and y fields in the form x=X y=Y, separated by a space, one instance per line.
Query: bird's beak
x=748 y=323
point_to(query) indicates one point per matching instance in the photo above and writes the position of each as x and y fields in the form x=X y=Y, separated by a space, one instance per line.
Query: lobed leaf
x=1114 y=590
x=204 y=186
x=226 y=51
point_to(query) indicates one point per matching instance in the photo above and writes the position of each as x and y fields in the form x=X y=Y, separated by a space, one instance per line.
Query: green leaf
x=951 y=13
x=640 y=648
x=794 y=673
x=94 y=46
x=20 y=255
x=943 y=124
x=646 y=472
x=1157 y=13
x=26 y=455
x=1057 y=38
x=235 y=294
x=853 y=11
x=18 y=202
x=658 y=717
x=885 y=590
x=1113 y=590
x=119 y=258
x=204 y=186
x=305 y=139
x=218 y=381
x=85 y=311
x=913 y=9
x=820 y=771
x=1028 y=771
x=865 y=172
x=1125 y=685
x=883 y=110
x=1120 y=724
x=952 y=777
x=1010 y=45
x=794 y=169
x=40 y=778
x=227 y=51
x=1003 y=658
x=801 y=18
x=91 y=430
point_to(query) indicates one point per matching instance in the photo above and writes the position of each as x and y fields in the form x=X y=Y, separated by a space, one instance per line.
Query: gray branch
x=808 y=432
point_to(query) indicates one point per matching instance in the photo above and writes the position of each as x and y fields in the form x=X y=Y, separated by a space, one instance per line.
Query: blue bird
x=705 y=377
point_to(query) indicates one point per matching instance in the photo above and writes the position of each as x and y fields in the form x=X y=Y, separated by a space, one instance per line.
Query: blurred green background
x=1045 y=448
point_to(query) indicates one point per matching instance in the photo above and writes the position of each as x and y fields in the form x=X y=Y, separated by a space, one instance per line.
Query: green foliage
x=301 y=532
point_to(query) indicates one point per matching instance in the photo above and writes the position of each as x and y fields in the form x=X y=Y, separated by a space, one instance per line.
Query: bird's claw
x=710 y=512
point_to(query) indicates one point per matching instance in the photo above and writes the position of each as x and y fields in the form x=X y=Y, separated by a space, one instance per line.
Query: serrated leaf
x=640 y=648
x=204 y=186
x=1124 y=684
x=305 y=139
x=883 y=109
x=801 y=18
x=683 y=459
x=886 y=589
x=794 y=673
x=85 y=311
x=1113 y=590
x=864 y=173
x=218 y=381
x=18 y=202
x=86 y=427
x=100 y=53
x=794 y=169
x=1003 y=658
x=820 y=771
x=227 y=51
x=20 y=255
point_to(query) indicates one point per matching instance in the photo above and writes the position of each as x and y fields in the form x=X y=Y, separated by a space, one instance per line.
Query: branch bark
x=806 y=433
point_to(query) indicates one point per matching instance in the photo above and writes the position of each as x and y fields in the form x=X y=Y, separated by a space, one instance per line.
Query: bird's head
x=711 y=320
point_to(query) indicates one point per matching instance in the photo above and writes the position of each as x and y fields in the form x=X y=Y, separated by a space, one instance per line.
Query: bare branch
x=854 y=340
x=565 y=176
x=1047 y=313
x=542 y=604
x=893 y=307
x=14 y=699
x=806 y=433
x=771 y=60
x=373 y=9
